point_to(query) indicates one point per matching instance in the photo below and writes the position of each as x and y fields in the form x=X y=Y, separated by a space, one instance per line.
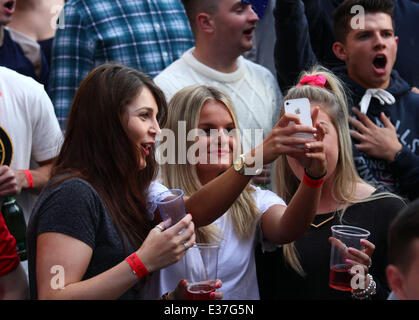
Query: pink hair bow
x=314 y=80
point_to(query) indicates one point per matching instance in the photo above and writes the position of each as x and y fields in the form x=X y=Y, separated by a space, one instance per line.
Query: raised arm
x=216 y=197
x=284 y=225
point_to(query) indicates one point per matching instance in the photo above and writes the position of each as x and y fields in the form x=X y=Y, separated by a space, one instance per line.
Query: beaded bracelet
x=368 y=292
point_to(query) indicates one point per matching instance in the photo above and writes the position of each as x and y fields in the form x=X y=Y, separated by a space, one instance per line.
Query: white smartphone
x=301 y=108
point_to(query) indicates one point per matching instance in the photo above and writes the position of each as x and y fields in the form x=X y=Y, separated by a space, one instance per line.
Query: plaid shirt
x=144 y=34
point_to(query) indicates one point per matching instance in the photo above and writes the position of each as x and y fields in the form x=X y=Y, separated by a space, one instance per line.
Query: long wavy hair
x=333 y=99
x=186 y=105
x=98 y=150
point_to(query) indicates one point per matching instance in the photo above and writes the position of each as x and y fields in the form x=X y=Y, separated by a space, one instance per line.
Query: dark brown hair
x=403 y=231
x=97 y=149
x=343 y=15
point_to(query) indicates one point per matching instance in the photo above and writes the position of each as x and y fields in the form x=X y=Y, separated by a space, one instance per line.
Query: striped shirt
x=144 y=34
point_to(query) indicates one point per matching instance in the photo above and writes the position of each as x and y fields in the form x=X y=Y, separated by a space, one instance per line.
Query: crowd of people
x=90 y=89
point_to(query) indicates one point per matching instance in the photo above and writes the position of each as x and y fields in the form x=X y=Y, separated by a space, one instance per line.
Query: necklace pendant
x=323 y=222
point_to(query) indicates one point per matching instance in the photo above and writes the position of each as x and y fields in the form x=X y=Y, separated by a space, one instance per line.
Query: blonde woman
x=301 y=269
x=211 y=112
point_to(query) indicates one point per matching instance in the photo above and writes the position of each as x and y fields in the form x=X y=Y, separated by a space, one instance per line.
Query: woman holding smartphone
x=300 y=270
x=256 y=214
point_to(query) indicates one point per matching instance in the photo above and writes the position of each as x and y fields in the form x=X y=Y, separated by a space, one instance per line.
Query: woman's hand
x=163 y=248
x=180 y=292
x=314 y=158
x=359 y=258
x=280 y=140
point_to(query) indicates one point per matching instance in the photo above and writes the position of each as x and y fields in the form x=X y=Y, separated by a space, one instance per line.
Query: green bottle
x=15 y=221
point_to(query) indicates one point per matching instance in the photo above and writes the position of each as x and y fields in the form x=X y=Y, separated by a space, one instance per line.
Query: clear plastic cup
x=346 y=236
x=201 y=262
x=171 y=206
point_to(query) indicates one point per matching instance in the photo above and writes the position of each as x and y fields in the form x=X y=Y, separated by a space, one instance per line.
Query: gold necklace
x=323 y=222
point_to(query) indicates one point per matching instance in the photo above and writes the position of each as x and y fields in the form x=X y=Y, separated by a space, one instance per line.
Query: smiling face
x=140 y=123
x=331 y=144
x=218 y=142
x=235 y=23
x=370 y=53
x=7 y=8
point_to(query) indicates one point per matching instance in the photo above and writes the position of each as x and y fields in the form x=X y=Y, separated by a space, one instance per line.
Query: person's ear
x=205 y=23
x=395 y=281
x=339 y=50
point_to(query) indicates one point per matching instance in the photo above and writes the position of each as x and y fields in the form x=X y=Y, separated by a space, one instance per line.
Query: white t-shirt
x=236 y=257
x=27 y=116
x=252 y=88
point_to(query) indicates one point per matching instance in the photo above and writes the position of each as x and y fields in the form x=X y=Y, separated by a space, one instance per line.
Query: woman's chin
x=142 y=164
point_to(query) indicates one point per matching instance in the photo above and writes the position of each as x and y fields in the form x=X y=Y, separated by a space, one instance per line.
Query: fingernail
x=218 y=286
x=348 y=261
x=212 y=294
x=308 y=145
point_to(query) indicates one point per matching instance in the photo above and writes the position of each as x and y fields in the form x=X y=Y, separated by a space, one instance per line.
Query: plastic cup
x=347 y=236
x=171 y=206
x=201 y=262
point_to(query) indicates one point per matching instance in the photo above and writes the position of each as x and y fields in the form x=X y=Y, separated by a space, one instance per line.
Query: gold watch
x=240 y=166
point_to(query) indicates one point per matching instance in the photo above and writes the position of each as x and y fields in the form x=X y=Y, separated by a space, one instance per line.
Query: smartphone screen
x=301 y=108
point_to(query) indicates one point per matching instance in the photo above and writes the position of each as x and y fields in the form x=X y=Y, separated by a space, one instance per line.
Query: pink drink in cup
x=201 y=263
x=346 y=236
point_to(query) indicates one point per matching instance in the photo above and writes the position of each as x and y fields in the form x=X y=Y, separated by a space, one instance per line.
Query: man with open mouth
x=385 y=132
x=385 y=117
x=296 y=49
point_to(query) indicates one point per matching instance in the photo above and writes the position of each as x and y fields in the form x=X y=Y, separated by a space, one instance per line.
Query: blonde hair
x=186 y=105
x=333 y=100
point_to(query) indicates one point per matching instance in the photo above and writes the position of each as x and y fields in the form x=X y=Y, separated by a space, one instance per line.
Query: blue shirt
x=147 y=35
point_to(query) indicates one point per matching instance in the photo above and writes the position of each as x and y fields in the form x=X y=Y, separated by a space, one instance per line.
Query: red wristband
x=137 y=266
x=312 y=183
x=29 y=178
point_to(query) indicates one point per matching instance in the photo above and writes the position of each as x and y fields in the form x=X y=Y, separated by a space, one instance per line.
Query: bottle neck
x=9 y=200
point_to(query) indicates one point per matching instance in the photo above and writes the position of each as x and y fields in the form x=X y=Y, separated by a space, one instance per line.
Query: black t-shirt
x=277 y=280
x=74 y=208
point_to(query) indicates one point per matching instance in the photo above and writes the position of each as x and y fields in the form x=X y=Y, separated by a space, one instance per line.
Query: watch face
x=238 y=164
x=6 y=148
